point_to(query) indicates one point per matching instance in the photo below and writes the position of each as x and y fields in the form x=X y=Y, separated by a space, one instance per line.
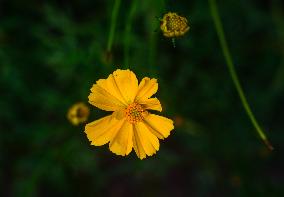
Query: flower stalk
x=113 y=24
x=127 y=32
x=232 y=71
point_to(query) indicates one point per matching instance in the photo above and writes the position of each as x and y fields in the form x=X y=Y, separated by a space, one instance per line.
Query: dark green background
x=51 y=52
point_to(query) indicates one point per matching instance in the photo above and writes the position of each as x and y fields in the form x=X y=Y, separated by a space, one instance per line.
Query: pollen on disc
x=134 y=113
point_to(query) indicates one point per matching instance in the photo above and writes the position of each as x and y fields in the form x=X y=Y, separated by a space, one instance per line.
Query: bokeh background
x=51 y=52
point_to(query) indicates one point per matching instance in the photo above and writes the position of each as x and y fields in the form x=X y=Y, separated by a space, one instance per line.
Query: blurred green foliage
x=51 y=52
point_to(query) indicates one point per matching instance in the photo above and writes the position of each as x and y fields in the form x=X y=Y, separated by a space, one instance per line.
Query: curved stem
x=113 y=24
x=232 y=71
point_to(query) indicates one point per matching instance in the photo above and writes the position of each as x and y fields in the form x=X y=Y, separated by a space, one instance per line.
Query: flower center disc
x=174 y=23
x=134 y=113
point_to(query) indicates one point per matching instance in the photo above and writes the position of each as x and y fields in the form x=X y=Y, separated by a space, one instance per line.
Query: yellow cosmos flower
x=78 y=113
x=173 y=25
x=130 y=125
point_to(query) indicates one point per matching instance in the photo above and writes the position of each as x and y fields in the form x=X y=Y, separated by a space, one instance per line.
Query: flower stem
x=174 y=42
x=113 y=24
x=127 y=33
x=232 y=71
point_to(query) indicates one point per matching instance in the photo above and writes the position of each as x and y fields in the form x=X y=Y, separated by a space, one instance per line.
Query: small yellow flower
x=173 y=25
x=78 y=113
x=130 y=125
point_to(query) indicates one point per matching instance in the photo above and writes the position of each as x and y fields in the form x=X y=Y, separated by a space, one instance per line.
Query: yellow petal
x=122 y=143
x=149 y=141
x=110 y=86
x=151 y=103
x=121 y=85
x=119 y=114
x=102 y=99
x=159 y=125
x=146 y=89
x=127 y=84
x=103 y=130
x=139 y=150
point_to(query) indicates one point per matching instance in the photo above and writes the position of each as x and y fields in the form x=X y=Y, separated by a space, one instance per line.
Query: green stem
x=174 y=42
x=113 y=24
x=234 y=76
x=127 y=32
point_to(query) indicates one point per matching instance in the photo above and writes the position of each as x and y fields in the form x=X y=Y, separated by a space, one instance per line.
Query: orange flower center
x=135 y=113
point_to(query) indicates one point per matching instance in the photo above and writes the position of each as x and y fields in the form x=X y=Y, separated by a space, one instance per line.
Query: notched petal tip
x=117 y=153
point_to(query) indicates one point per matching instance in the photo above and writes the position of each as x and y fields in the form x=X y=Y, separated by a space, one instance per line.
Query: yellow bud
x=173 y=25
